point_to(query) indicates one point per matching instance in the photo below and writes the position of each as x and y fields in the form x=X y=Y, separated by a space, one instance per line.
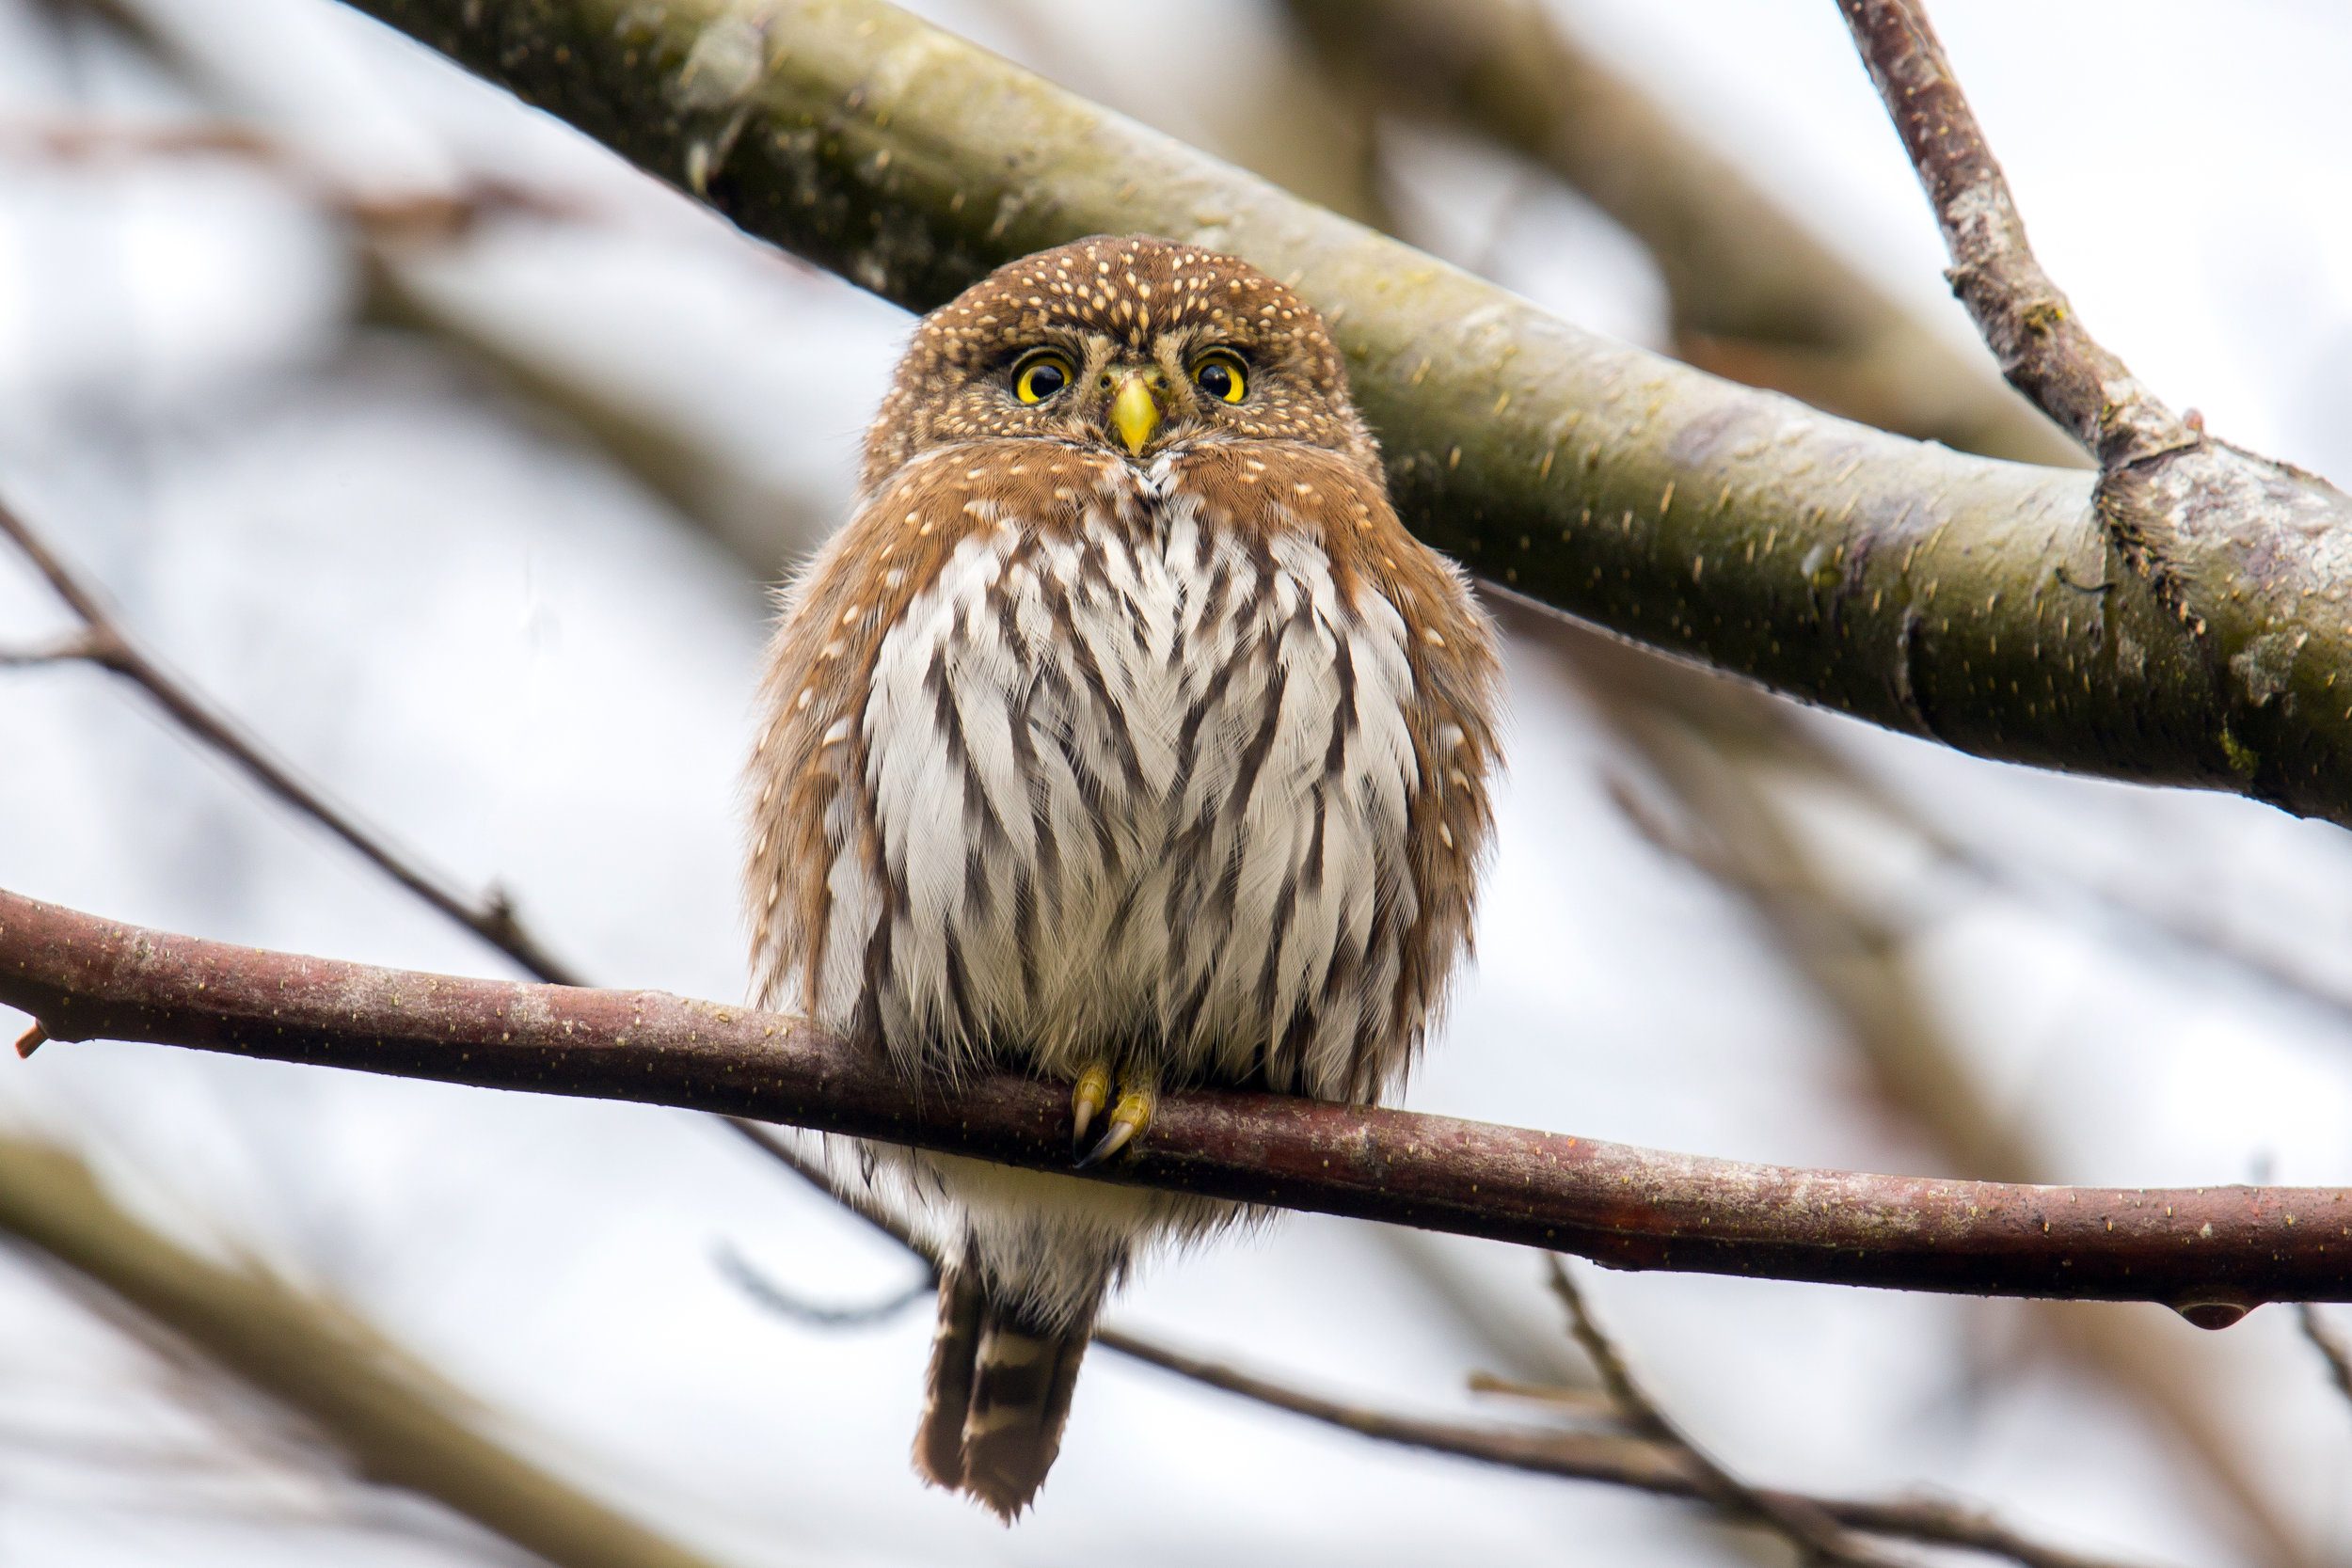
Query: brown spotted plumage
x=1123 y=737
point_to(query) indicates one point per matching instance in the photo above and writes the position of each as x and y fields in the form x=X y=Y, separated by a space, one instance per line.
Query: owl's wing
x=816 y=882
x=1400 y=601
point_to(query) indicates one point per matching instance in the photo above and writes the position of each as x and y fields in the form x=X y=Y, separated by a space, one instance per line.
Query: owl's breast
x=1142 y=787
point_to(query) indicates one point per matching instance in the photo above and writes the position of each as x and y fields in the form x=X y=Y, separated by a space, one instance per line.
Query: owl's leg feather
x=1086 y=1099
x=1129 y=1118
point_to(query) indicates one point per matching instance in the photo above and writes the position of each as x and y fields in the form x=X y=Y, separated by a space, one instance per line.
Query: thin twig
x=104 y=642
x=772 y=1295
x=2330 y=1345
x=1592 y=1403
x=1804 y=1523
x=73 y=648
x=2044 y=348
x=404 y=216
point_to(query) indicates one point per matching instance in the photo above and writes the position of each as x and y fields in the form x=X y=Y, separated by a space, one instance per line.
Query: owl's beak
x=1135 y=412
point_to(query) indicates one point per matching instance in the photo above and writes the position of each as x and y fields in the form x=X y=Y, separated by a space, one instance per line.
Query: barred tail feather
x=998 y=1398
x=948 y=1390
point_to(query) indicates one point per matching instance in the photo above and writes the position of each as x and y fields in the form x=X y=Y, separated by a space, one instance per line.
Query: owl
x=1125 y=738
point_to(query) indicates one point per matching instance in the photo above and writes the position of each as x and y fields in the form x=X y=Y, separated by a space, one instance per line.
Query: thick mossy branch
x=2211 y=1253
x=1985 y=604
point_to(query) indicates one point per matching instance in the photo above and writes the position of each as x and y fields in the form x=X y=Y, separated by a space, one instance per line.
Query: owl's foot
x=1086 y=1099
x=1129 y=1117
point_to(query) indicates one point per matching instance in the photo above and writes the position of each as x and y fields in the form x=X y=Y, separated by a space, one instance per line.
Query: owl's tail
x=999 y=1394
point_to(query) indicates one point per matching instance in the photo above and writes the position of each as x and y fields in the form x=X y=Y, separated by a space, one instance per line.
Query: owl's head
x=1136 y=344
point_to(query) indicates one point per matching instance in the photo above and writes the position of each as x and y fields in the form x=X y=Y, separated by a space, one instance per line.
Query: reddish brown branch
x=2043 y=346
x=2211 y=1252
x=104 y=642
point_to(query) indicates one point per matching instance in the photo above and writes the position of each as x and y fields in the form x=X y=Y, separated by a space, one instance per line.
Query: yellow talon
x=1129 y=1117
x=1093 y=1091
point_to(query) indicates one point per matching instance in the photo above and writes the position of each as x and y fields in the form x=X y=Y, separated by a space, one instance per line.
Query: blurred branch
x=2331 y=1346
x=386 y=216
x=102 y=643
x=1755 y=295
x=809 y=1314
x=1802 y=1523
x=2210 y=1253
x=1989 y=605
x=395 y=1421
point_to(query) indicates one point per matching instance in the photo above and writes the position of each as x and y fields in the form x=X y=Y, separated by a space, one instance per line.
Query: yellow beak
x=1135 y=414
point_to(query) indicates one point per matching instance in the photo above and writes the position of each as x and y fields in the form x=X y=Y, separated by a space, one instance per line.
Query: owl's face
x=1133 y=345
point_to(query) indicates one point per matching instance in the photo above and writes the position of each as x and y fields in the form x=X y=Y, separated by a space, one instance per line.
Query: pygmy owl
x=1123 y=738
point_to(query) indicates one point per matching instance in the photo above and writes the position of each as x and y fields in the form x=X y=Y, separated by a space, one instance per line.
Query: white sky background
x=455 y=608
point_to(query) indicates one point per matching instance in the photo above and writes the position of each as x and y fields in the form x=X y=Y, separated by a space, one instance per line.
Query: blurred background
x=454 y=458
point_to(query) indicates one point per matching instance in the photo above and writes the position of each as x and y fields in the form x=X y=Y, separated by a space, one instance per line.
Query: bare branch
x=1801 y=1522
x=2331 y=1346
x=2043 y=346
x=104 y=642
x=789 y=1303
x=2211 y=1253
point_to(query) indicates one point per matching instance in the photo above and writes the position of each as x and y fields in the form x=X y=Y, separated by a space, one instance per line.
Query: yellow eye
x=1220 y=373
x=1040 y=375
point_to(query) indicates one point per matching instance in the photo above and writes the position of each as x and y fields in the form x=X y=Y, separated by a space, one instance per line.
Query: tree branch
x=2042 y=344
x=2210 y=1252
x=1985 y=604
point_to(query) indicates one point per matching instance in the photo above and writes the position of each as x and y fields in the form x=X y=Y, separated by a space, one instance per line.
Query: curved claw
x=1128 y=1120
x=1086 y=1099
